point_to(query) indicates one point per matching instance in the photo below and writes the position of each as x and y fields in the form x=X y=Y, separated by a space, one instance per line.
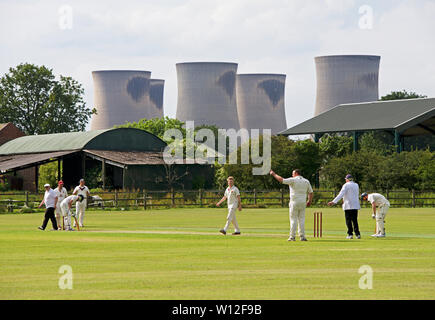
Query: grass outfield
x=179 y=254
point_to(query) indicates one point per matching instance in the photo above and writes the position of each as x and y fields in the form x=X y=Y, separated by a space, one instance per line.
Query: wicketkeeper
x=83 y=190
x=380 y=206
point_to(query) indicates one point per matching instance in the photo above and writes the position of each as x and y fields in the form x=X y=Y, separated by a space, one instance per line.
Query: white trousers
x=80 y=211
x=297 y=218
x=66 y=213
x=58 y=213
x=231 y=218
x=381 y=212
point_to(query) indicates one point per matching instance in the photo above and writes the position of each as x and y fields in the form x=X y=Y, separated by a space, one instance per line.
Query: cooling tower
x=260 y=101
x=121 y=96
x=346 y=79
x=207 y=93
x=156 y=96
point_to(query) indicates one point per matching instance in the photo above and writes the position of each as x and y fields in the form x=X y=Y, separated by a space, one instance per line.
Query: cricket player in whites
x=61 y=194
x=299 y=188
x=65 y=206
x=232 y=194
x=382 y=204
x=83 y=190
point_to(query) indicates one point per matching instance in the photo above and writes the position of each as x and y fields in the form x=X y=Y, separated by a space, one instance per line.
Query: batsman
x=65 y=206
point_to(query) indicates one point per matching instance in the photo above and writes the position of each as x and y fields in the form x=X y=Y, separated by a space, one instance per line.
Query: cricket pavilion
x=126 y=158
x=401 y=119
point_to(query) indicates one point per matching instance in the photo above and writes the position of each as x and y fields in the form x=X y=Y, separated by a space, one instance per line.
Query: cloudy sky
x=274 y=36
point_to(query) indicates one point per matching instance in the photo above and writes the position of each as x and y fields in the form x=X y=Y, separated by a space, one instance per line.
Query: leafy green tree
x=378 y=142
x=398 y=95
x=287 y=155
x=47 y=173
x=37 y=103
x=156 y=126
x=332 y=146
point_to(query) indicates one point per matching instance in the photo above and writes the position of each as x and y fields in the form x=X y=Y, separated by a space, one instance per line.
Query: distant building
x=123 y=158
x=207 y=93
x=122 y=96
x=346 y=79
x=260 y=101
x=20 y=179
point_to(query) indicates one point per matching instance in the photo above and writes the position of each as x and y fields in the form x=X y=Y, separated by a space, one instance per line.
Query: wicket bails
x=318 y=221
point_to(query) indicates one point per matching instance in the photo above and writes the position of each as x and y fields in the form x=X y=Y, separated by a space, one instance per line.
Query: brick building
x=20 y=179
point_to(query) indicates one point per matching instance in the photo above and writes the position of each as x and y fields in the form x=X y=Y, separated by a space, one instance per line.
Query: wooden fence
x=208 y=198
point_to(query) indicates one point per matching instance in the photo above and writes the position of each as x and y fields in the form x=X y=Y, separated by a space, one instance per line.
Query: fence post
x=116 y=198
x=282 y=197
x=27 y=199
x=413 y=198
x=172 y=197
x=200 y=198
x=255 y=196
x=144 y=199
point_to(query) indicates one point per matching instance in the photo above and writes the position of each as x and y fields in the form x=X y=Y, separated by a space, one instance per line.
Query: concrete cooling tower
x=156 y=96
x=207 y=93
x=260 y=101
x=346 y=79
x=121 y=96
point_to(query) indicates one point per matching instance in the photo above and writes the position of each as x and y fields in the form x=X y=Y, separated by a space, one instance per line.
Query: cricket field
x=179 y=254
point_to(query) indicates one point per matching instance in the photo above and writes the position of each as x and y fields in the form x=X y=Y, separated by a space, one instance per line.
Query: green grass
x=178 y=254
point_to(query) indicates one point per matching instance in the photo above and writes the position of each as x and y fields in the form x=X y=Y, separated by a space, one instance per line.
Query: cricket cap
x=349 y=177
x=60 y=182
x=363 y=195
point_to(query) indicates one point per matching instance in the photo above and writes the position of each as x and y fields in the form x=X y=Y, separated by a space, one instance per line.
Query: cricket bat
x=77 y=223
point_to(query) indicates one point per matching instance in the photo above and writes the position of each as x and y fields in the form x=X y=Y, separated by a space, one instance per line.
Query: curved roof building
x=207 y=93
x=260 y=101
x=346 y=79
x=121 y=96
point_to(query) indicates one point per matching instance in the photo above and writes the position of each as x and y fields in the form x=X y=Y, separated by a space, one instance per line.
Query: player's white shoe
x=380 y=236
x=291 y=239
x=375 y=235
x=349 y=237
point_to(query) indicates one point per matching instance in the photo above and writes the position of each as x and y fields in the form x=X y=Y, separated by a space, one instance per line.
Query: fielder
x=232 y=194
x=299 y=188
x=65 y=206
x=83 y=190
x=61 y=194
x=379 y=201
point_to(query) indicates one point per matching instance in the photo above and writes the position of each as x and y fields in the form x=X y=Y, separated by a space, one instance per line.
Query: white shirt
x=299 y=188
x=50 y=198
x=68 y=199
x=378 y=199
x=350 y=194
x=82 y=190
x=62 y=194
x=231 y=194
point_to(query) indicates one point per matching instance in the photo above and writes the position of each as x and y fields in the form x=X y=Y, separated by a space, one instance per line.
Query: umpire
x=350 y=194
x=50 y=201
